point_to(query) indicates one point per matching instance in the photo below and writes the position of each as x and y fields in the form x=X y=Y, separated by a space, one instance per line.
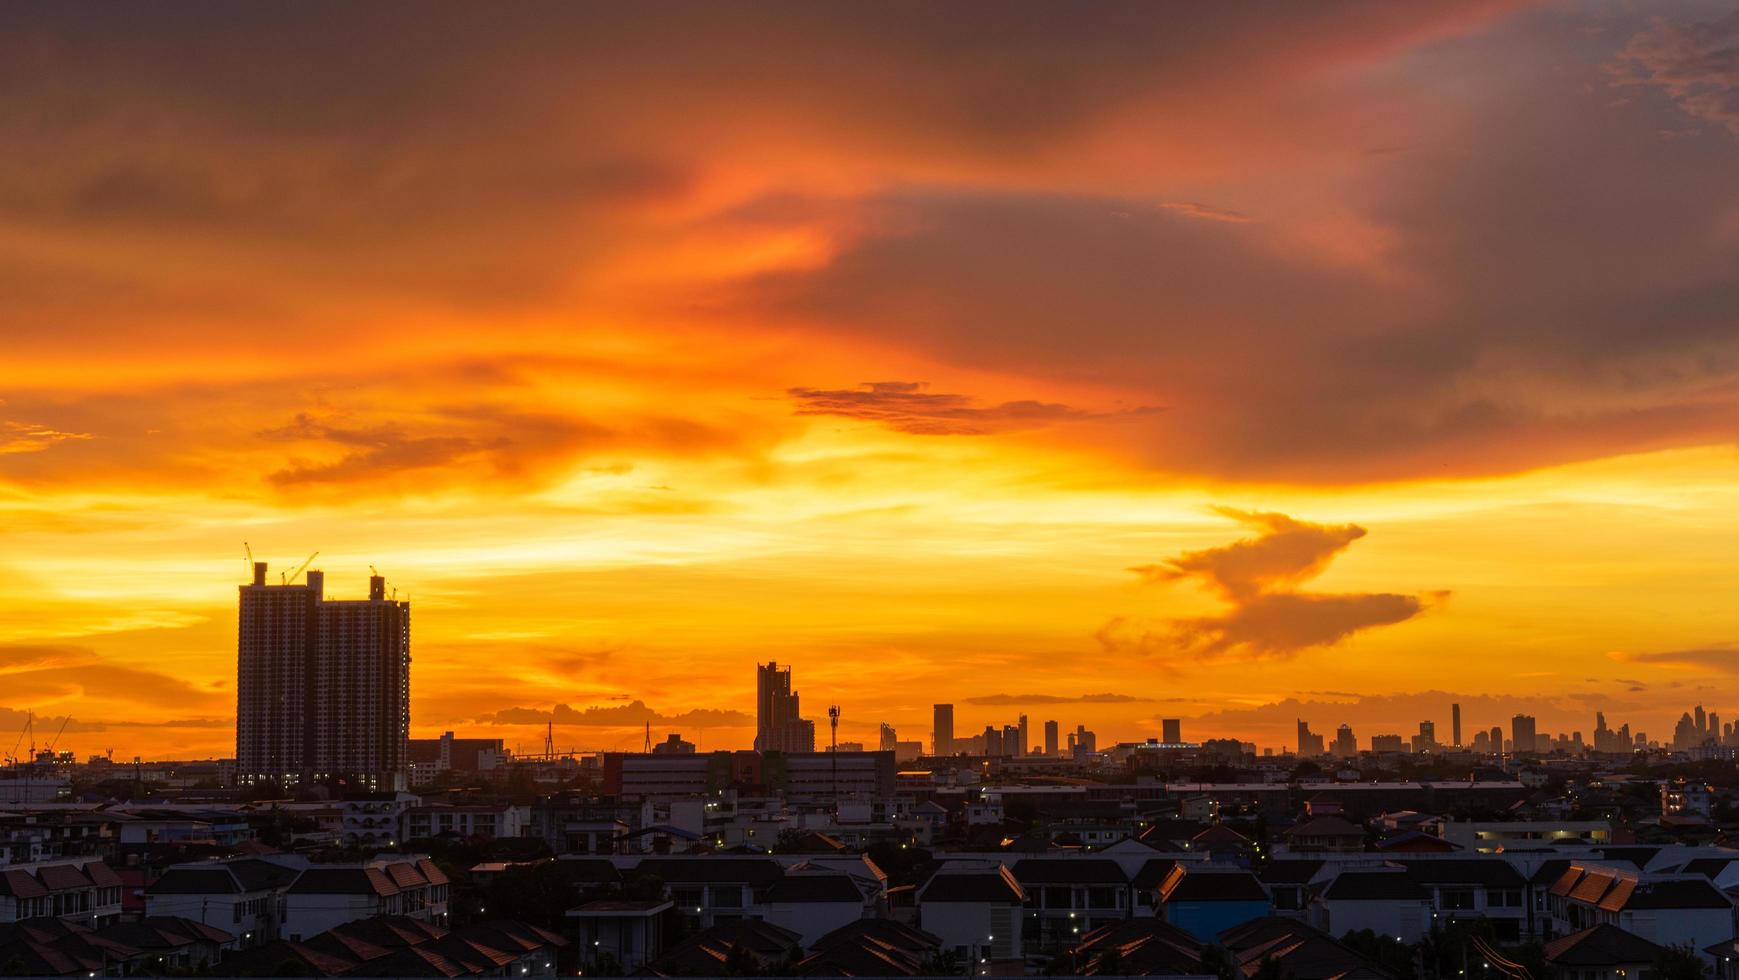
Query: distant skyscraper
x=323 y=687
x=1455 y=724
x=1523 y=738
x=992 y=738
x=1171 y=730
x=1497 y=740
x=1051 y=738
x=1309 y=743
x=1011 y=740
x=942 y=731
x=779 y=724
x=1025 y=737
x=889 y=738
x=1083 y=742
x=1345 y=745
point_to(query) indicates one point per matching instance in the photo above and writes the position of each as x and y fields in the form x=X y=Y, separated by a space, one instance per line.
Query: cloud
x=24 y=437
x=1697 y=65
x=1284 y=553
x=907 y=407
x=55 y=674
x=1720 y=658
x=1257 y=578
x=1206 y=213
x=634 y=713
x=1056 y=699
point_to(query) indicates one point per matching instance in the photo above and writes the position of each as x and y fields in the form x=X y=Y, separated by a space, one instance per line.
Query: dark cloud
x=366 y=434
x=1696 y=64
x=1056 y=699
x=1284 y=553
x=908 y=407
x=1257 y=578
x=634 y=713
x=13 y=721
x=1724 y=659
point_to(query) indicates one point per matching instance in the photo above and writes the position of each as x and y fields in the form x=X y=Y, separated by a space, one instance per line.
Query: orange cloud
x=1257 y=577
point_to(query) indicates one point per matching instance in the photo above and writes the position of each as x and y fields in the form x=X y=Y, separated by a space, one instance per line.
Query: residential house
x=244 y=897
x=1070 y=897
x=711 y=890
x=1207 y=901
x=629 y=932
x=1475 y=888
x=327 y=896
x=975 y=909
x=1329 y=832
x=1387 y=901
x=1600 y=952
x=83 y=890
x=1668 y=910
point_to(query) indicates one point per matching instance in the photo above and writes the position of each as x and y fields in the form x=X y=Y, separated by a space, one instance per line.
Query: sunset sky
x=1107 y=362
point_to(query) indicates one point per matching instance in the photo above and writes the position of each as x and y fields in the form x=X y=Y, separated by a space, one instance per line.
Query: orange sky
x=1335 y=361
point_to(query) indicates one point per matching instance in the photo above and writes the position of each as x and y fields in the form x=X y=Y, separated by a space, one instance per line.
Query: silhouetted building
x=1171 y=730
x=942 y=731
x=1051 y=741
x=322 y=686
x=1522 y=735
x=779 y=725
x=1309 y=743
x=1455 y=725
x=1345 y=745
x=674 y=745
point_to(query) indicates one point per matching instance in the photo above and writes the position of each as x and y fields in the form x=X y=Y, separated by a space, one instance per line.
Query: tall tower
x=322 y=686
x=779 y=725
x=1455 y=724
x=1051 y=738
x=1026 y=744
x=942 y=731
x=1522 y=737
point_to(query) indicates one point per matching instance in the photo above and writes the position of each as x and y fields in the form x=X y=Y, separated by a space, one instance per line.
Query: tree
x=1678 y=963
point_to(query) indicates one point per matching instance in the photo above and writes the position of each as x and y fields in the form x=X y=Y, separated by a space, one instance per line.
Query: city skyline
x=1237 y=365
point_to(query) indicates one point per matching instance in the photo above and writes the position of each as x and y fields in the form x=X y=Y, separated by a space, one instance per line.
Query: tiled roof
x=62 y=877
x=214 y=880
x=988 y=885
x=1069 y=871
x=1604 y=945
x=1189 y=885
x=1374 y=886
x=713 y=870
x=815 y=888
x=1152 y=873
x=1327 y=825
x=1696 y=893
x=1490 y=872
x=20 y=883
x=343 y=881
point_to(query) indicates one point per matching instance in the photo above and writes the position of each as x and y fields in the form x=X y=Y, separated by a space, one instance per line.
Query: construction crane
x=299 y=568
x=13 y=755
x=59 y=732
x=250 y=559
